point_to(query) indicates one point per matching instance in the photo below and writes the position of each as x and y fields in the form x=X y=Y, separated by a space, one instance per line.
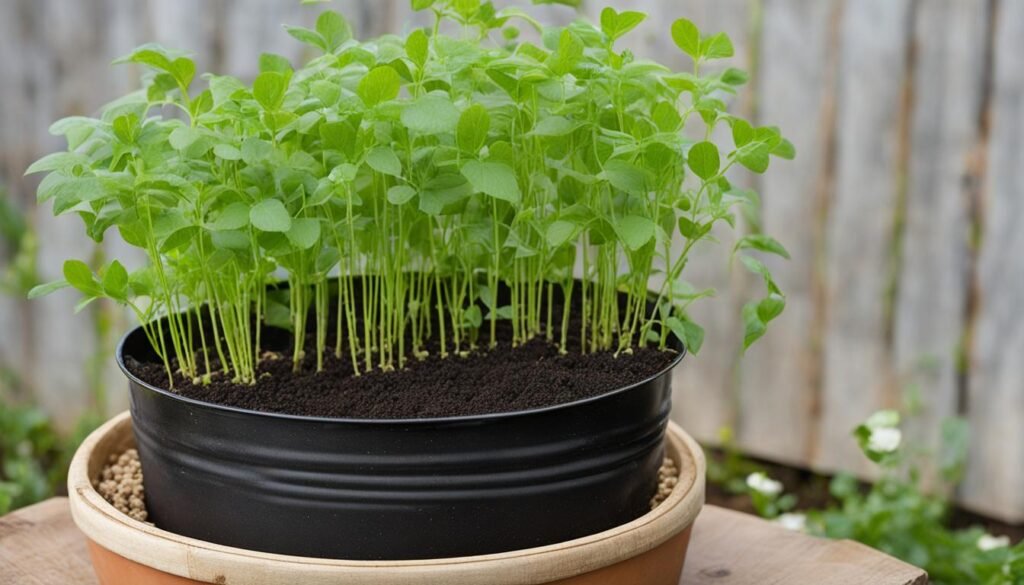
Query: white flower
x=761 y=483
x=988 y=542
x=794 y=522
x=885 y=440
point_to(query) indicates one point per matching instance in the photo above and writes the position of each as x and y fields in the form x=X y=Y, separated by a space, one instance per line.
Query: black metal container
x=396 y=489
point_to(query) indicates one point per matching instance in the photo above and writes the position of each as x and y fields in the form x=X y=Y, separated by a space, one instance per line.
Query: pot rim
x=195 y=559
x=132 y=378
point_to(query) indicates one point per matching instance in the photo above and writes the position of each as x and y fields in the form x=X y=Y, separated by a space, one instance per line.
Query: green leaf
x=230 y=240
x=381 y=84
x=742 y=133
x=184 y=70
x=227 y=152
x=275 y=63
x=256 y=151
x=126 y=128
x=418 y=5
x=754 y=156
x=691 y=334
x=703 y=160
x=181 y=68
x=270 y=215
x=45 y=289
x=57 y=161
x=553 y=126
x=691 y=230
x=687 y=37
x=183 y=137
x=304 y=35
x=115 y=281
x=473 y=317
x=625 y=176
x=497 y=180
x=443 y=192
x=716 y=47
x=753 y=326
x=616 y=25
x=560 y=232
x=465 y=8
x=417 y=47
x=785 y=150
x=304 y=232
x=333 y=29
x=431 y=114
x=327 y=92
x=771 y=307
x=400 y=194
x=384 y=161
x=568 y=55
x=733 y=76
x=181 y=238
x=635 y=231
x=79 y=275
x=269 y=89
x=762 y=243
x=474 y=124
x=232 y=217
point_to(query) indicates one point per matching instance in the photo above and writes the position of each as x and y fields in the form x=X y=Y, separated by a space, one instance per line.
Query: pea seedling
x=427 y=172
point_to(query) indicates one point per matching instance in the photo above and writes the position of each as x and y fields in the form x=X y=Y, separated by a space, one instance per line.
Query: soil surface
x=504 y=379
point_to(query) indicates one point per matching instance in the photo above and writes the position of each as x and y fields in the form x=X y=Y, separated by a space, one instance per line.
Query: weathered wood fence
x=901 y=210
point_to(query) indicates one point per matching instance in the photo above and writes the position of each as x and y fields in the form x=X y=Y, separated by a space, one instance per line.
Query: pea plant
x=418 y=188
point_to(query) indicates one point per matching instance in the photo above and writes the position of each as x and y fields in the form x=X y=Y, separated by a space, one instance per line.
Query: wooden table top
x=40 y=545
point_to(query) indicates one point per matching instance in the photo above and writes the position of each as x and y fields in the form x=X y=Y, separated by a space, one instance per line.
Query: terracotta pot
x=647 y=551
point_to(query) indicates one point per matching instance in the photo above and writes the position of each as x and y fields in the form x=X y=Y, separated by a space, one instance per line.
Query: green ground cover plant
x=899 y=514
x=428 y=172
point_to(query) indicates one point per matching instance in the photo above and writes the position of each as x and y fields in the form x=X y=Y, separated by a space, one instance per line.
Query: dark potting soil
x=505 y=379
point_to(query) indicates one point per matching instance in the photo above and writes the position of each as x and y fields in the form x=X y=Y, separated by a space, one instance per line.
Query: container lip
x=472 y=418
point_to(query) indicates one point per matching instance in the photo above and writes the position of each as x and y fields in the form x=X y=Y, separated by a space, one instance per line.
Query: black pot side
x=397 y=489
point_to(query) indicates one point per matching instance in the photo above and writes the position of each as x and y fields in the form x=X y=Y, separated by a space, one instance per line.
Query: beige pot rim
x=205 y=561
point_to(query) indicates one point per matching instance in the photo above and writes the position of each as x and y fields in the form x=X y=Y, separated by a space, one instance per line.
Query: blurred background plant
x=34 y=454
x=901 y=513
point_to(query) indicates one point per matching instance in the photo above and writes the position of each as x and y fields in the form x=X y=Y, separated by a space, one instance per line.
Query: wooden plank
x=948 y=82
x=995 y=482
x=858 y=373
x=40 y=545
x=730 y=548
x=781 y=373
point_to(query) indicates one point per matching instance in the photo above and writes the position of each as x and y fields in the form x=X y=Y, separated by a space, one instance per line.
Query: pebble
x=668 y=477
x=120 y=484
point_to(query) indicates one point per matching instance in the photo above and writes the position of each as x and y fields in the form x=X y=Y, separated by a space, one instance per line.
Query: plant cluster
x=34 y=457
x=899 y=515
x=427 y=172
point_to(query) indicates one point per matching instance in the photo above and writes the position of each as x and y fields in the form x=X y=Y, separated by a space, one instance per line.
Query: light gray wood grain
x=949 y=70
x=780 y=374
x=995 y=482
x=40 y=545
x=858 y=373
